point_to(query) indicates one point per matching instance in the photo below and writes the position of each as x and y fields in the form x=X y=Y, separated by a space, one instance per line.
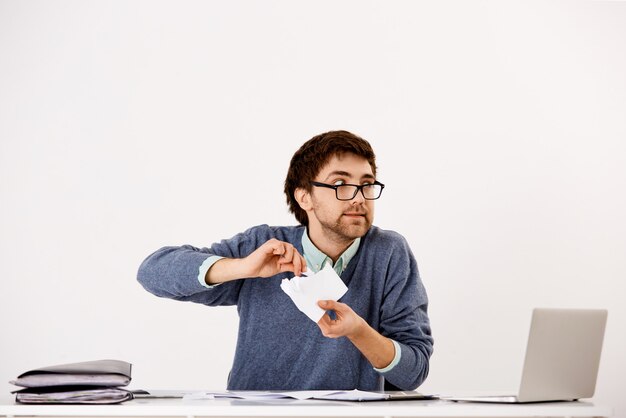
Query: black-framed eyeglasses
x=370 y=191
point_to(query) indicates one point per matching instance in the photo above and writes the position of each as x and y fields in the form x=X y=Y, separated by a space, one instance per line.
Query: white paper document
x=251 y=395
x=343 y=395
x=306 y=290
x=338 y=395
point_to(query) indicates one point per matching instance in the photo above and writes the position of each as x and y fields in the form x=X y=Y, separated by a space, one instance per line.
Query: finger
x=303 y=262
x=278 y=248
x=288 y=254
x=331 y=305
x=299 y=262
x=297 y=265
x=327 y=327
x=323 y=328
x=283 y=267
x=272 y=246
x=330 y=316
x=324 y=320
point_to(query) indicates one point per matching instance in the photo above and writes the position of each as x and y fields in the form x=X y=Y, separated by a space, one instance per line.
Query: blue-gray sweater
x=280 y=348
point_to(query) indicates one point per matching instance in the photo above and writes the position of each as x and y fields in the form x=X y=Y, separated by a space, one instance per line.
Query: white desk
x=295 y=408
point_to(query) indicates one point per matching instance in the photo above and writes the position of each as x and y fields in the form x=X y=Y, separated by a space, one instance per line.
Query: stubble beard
x=343 y=232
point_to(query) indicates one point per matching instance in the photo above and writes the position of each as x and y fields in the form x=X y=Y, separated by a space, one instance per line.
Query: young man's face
x=339 y=220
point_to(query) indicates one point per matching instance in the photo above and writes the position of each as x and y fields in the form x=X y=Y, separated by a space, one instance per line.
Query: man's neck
x=332 y=246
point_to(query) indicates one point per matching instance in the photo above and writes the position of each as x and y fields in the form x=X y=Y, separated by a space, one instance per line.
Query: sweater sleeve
x=404 y=319
x=172 y=272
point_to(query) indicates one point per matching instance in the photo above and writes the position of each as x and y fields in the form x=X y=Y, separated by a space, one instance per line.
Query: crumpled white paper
x=306 y=290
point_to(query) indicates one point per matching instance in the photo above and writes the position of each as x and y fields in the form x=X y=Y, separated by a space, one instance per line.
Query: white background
x=499 y=128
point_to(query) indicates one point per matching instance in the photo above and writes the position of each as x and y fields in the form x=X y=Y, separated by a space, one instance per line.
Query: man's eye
x=339 y=182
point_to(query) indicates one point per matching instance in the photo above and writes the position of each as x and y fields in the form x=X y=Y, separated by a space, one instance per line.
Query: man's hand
x=269 y=259
x=377 y=349
x=346 y=324
x=274 y=257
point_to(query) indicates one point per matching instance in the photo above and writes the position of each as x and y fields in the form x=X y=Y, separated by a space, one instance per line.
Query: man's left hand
x=378 y=350
x=347 y=322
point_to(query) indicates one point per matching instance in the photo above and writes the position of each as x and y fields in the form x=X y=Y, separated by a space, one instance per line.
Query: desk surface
x=308 y=408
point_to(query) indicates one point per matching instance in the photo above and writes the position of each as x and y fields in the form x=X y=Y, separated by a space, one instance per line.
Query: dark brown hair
x=307 y=162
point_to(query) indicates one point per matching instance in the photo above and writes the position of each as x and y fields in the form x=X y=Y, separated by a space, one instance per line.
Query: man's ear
x=303 y=198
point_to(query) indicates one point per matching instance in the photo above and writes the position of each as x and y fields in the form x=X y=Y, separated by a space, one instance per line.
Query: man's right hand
x=274 y=257
x=269 y=259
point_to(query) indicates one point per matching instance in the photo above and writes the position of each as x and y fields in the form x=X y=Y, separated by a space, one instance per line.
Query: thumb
x=327 y=304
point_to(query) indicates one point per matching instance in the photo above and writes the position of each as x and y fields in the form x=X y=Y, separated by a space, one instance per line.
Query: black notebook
x=88 y=373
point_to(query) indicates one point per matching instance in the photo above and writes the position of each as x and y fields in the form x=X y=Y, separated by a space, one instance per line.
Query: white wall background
x=500 y=130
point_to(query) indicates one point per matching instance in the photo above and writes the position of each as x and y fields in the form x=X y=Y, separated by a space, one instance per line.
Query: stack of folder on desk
x=91 y=382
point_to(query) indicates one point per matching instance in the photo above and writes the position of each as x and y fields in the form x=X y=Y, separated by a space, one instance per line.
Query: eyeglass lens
x=348 y=192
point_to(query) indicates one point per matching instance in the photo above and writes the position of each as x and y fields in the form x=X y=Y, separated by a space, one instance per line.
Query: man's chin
x=347 y=230
x=356 y=231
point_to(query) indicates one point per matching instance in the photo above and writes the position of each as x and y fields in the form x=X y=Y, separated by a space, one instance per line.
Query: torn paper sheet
x=305 y=291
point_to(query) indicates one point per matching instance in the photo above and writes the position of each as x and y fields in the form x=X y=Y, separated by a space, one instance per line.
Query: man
x=379 y=330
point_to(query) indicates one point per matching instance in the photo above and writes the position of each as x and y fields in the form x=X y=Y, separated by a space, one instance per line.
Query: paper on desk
x=338 y=395
x=305 y=291
x=250 y=395
x=349 y=395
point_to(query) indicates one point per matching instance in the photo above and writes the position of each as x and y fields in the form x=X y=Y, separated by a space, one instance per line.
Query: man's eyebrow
x=346 y=174
x=337 y=173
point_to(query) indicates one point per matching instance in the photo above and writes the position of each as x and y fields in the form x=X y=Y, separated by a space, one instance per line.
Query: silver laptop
x=562 y=357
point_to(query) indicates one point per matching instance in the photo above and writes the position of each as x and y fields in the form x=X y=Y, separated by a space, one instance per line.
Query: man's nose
x=358 y=198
